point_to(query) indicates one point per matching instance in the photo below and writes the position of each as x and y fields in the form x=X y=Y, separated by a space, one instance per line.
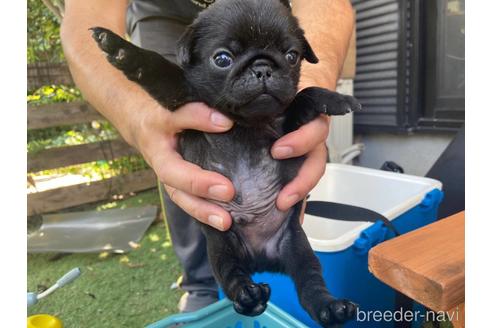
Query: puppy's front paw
x=336 y=312
x=328 y=102
x=251 y=299
x=309 y=103
x=119 y=52
x=341 y=105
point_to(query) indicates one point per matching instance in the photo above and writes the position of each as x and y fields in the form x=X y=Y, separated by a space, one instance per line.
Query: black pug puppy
x=243 y=57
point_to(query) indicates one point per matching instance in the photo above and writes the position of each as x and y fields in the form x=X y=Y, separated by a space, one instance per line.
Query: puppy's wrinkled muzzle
x=262 y=69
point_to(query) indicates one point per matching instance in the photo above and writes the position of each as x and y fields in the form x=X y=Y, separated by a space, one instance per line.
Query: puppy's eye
x=223 y=59
x=292 y=57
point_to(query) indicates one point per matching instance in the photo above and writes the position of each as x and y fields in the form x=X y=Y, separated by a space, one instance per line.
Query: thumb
x=198 y=116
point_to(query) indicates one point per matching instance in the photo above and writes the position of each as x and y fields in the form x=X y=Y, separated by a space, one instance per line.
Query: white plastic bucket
x=388 y=193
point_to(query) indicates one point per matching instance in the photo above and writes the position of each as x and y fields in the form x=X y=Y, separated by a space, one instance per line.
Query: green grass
x=129 y=290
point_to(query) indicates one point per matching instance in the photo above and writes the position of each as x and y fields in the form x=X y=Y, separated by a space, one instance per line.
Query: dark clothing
x=183 y=11
x=450 y=170
x=190 y=247
x=159 y=33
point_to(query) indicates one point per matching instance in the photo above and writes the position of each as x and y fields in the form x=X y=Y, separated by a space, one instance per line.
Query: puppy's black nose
x=262 y=69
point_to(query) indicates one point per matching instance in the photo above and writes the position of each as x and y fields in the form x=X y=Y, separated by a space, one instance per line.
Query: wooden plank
x=427 y=265
x=39 y=74
x=57 y=199
x=45 y=116
x=457 y=316
x=71 y=155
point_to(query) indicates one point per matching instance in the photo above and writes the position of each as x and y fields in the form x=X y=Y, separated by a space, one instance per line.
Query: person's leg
x=189 y=243
x=190 y=247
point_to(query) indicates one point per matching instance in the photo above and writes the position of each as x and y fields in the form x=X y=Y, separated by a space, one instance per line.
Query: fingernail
x=216 y=222
x=292 y=199
x=282 y=152
x=220 y=120
x=218 y=192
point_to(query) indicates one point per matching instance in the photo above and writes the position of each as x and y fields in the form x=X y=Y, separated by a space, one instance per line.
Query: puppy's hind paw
x=336 y=312
x=251 y=299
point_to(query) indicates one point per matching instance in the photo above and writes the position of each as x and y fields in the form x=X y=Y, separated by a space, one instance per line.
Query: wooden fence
x=39 y=74
x=47 y=116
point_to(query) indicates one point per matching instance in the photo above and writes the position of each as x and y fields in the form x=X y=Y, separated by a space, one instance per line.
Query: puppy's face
x=243 y=57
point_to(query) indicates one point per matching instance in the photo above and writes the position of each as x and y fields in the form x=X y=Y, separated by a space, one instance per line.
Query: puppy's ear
x=309 y=54
x=185 y=47
x=286 y=3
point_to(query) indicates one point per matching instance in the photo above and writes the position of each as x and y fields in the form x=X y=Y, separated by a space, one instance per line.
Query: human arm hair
x=141 y=121
x=328 y=25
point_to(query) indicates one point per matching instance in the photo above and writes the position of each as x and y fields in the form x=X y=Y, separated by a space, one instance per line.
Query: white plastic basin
x=388 y=193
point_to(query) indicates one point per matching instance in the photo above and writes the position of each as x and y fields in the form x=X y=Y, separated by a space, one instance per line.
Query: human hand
x=154 y=133
x=308 y=140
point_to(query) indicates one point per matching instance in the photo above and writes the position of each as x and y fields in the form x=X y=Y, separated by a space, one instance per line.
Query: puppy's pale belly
x=253 y=210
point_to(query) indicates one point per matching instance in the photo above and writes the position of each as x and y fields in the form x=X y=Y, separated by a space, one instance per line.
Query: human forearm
x=118 y=99
x=328 y=25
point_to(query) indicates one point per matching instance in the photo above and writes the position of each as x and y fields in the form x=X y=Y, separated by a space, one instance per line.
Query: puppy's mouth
x=263 y=103
x=258 y=109
x=262 y=97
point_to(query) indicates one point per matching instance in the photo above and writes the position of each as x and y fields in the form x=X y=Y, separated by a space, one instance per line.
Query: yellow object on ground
x=43 y=321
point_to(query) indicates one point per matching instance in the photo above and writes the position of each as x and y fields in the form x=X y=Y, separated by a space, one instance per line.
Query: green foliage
x=49 y=94
x=44 y=45
x=102 y=169
x=69 y=135
x=38 y=140
x=43 y=34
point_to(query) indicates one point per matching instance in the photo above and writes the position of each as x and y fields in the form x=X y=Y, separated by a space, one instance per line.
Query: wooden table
x=427 y=265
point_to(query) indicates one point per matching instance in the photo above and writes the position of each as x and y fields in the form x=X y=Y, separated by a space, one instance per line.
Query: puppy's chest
x=244 y=157
x=257 y=183
x=254 y=212
x=256 y=176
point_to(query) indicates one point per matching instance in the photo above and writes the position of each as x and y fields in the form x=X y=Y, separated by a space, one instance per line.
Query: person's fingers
x=302 y=140
x=198 y=116
x=308 y=176
x=202 y=210
x=172 y=170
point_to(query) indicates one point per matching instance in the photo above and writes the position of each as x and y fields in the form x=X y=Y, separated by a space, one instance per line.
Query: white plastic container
x=388 y=193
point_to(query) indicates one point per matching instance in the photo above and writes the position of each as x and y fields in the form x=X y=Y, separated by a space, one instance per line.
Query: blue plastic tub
x=342 y=247
x=222 y=315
